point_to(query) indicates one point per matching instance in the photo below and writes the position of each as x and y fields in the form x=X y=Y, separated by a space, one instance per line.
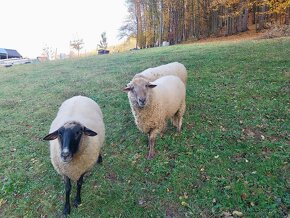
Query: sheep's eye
x=78 y=134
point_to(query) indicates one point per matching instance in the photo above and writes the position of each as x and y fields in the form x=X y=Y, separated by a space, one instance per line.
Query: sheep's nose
x=65 y=154
x=142 y=100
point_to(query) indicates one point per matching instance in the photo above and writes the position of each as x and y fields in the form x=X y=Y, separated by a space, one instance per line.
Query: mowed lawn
x=231 y=157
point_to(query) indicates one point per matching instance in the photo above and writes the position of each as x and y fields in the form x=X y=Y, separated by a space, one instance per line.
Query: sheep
x=174 y=68
x=80 y=133
x=152 y=103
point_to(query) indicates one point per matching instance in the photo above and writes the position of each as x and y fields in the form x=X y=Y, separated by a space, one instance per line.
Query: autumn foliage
x=155 y=21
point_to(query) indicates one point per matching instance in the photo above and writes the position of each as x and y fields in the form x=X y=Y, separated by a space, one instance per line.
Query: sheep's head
x=69 y=137
x=139 y=91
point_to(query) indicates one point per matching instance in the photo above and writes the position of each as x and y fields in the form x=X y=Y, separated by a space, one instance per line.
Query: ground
x=231 y=158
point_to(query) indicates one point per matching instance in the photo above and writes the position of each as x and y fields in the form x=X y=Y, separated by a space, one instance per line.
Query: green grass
x=232 y=153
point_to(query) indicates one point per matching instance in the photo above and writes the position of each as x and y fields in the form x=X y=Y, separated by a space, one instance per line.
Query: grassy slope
x=231 y=154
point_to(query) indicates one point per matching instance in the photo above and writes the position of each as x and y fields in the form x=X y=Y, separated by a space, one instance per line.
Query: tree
x=129 y=26
x=103 y=42
x=179 y=20
x=48 y=52
x=77 y=44
x=128 y=29
x=139 y=21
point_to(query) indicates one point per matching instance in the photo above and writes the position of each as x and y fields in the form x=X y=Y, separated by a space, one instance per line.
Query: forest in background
x=153 y=21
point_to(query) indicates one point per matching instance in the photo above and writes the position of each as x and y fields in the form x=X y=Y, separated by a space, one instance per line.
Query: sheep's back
x=174 y=69
x=170 y=92
x=80 y=109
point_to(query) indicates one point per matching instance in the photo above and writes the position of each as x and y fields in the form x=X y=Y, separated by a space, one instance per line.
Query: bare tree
x=130 y=25
x=77 y=44
x=128 y=29
x=48 y=52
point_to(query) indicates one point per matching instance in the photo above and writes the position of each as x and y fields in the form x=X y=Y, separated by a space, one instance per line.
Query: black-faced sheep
x=174 y=69
x=76 y=137
x=152 y=103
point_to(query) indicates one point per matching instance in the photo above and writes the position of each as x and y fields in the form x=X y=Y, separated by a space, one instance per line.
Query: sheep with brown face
x=153 y=103
x=76 y=137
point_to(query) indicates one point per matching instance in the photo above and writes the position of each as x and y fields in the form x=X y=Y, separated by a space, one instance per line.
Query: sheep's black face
x=139 y=92
x=69 y=137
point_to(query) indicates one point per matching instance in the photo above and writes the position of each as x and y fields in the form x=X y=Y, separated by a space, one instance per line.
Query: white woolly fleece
x=175 y=69
x=88 y=113
x=164 y=101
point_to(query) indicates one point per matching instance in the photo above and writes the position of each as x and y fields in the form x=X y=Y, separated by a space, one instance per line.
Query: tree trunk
x=287 y=15
x=254 y=14
x=197 y=24
x=230 y=25
x=140 y=38
x=260 y=19
x=161 y=23
x=194 y=19
x=245 y=20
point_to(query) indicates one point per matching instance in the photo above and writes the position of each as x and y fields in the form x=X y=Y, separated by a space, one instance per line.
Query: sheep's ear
x=51 y=136
x=127 y=89
x=150 y=85
x=89 y=132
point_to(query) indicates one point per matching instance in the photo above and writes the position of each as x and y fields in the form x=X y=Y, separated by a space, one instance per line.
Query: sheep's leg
x=100 y=159
x=162 y=129
x=162 y=133
x=179 y=116
x=67 y=182
x=179 y=124
x=174 y=120
x=152 y=139
x=77 y=200
x=148 y=145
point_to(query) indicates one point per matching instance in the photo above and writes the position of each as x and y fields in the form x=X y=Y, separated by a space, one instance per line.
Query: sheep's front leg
x=77 y=200
x=67 y=184
x=152 y=138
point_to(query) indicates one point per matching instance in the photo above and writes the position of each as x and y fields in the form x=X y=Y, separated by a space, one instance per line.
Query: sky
x=31 y=25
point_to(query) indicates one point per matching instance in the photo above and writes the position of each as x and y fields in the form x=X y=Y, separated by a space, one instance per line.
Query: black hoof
x=77 y=202
x=66 y=210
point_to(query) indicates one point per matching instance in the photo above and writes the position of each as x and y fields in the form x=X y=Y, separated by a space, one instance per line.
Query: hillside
x=232 y=154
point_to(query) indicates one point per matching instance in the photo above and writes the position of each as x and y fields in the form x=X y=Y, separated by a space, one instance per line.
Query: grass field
x=231 y=157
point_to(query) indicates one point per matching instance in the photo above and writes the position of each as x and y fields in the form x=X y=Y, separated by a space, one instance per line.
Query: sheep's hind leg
x=174 y=120
x=77 y=200
x=67 y=184
x=178 y=117
x=100 y=159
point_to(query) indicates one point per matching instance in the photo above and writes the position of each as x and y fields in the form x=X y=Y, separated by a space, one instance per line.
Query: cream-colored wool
x=86 y=112
x=165 y=101
x=174 y=69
